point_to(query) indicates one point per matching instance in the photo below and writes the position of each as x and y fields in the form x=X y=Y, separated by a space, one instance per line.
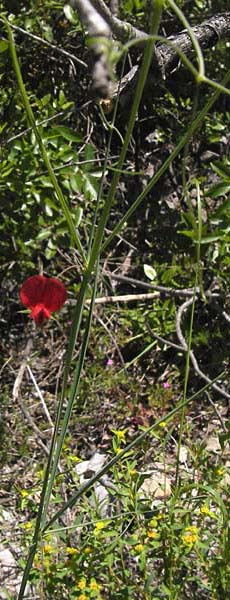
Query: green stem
x=191 y=34
x=86 y=486
x=74 y=236
x=191 y=130
x=187 y=364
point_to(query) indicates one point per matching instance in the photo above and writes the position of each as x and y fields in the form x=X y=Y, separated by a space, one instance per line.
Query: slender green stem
x=147 y=58
x=73 y=233
x=193 y=127
x=216 y=85
x=191 y=34
x=86 y=486
x=49 y=479
x=95 y=253
x=72 y=396
x=187 y=364
x=159 y=38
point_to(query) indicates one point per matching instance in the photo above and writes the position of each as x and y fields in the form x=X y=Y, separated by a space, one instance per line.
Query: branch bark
x=166 y=58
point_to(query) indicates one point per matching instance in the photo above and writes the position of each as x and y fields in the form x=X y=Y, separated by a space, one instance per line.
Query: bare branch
x=98 y=31
x=40 y=40
x=91 y=19
x=121 y=30
x=186 y=292
x=124 y=298
x=184 y=347
x=166 y=58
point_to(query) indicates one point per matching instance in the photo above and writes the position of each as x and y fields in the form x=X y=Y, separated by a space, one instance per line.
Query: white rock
x=156 y=486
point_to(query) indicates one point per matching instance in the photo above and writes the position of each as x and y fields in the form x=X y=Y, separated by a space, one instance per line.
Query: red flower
x=42 y=295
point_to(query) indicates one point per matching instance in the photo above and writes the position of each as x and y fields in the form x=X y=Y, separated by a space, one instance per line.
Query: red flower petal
x=42 y=295
x=54 y=295
x=39 y=313
x=32 y=290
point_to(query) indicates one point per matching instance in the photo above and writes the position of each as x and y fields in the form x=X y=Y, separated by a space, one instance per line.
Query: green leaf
x=3 y=45
x=70 y=14
x=66 y=133
x=219 y=189
x=150 y=272
x=78 y=215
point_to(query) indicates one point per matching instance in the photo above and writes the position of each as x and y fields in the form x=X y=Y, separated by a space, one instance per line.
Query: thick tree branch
x=98 y=32
x=121 y=30
x=207 y=34
x=166 y=58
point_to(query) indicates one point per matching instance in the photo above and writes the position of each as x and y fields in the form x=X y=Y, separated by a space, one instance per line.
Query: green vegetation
x=125 y=199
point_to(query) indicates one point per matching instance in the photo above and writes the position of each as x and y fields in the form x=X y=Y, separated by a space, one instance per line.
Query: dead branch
x=184 y=347
x=98 y=31
x=40 y=40
x=125 y=298
x=185 y=292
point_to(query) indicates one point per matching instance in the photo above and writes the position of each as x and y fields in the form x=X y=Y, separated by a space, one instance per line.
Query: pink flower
x=42 y=295
x=109 y=362
x=166 y=385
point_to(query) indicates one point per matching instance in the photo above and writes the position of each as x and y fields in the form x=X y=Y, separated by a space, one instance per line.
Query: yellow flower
x=190 y=536
x=82 y=597
x=87 y=549
x=120 y=433
x=160 y=516
x=74 y=459
x=132 y=472
x=204 y=510
x=48 y=549
x=139 y=547
x=99 y=526
x=28 y=525
x=82 y=584
x=219 y=471
x=70 y=550
x=24 y=493
x=118 y=450
x=152 y=534
x=94 y=585
x=162 y=424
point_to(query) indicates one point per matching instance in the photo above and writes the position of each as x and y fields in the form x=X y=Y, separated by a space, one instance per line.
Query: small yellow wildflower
x=132 y=472
x=190 y=536
x=120 y=434
x=118 y=450
x=160 y=516
x=82 y=597
x=82 y=584
x=152 y=534
x=24 y=493
x=70 y=550
x=28 y=525
x=94 y=585
x=139 y=547
x=74 y=459
x=100 y=525
x=48 y=549
x=204 y=510
x=163 y=424
x=87 y=549
x=219 y=472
